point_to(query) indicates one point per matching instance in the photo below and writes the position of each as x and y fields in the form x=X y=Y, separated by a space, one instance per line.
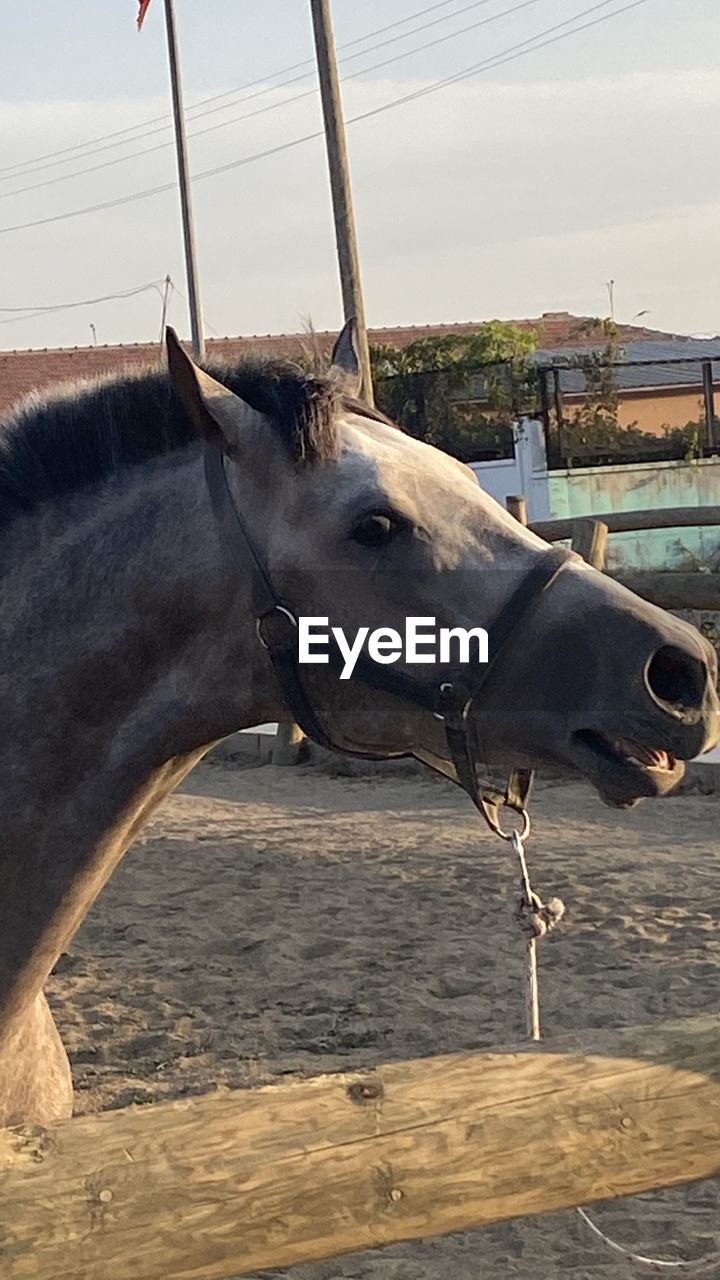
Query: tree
x=460 y=391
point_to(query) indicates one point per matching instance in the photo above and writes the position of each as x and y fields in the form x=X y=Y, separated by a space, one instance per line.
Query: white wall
x=524 y=474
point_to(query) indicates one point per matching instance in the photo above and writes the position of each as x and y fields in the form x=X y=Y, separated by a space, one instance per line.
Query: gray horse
x=129 y=639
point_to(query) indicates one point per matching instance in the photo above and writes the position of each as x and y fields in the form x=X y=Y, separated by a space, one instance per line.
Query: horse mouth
x=625 y=770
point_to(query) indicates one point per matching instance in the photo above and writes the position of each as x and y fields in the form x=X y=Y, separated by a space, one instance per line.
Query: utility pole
x=345 y=235
x=196 y=322
x=163 y=315
x=610 y=286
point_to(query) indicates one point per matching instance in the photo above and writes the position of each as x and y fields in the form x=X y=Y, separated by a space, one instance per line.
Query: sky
x=522 y=188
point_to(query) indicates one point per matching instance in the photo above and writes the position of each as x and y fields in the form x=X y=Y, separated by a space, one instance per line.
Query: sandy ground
x=276 y=921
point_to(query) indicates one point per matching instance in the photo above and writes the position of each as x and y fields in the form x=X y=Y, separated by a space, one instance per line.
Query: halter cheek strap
x=449 y=697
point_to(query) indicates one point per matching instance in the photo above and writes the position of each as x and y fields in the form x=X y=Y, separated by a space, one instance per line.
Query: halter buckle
x=277 y=629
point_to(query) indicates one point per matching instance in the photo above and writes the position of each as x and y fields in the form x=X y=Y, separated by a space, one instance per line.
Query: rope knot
x=535 y=917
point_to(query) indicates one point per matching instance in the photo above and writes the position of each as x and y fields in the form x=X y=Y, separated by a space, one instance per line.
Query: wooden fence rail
x=697 y=591
x=700 y=591
x=668 y=589
x=224 y=1185
x=632 y=521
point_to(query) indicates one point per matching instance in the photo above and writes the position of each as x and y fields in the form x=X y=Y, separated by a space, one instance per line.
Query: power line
x=273 y=106
x=161 y=146
x=308 y=62
x=182 y=297
x=510 y=54
x=500 y=59
x=15 y=317
x=308 y=93
x=85 y=302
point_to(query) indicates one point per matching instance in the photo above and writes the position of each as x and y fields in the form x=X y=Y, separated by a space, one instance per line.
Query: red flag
x=144 y=6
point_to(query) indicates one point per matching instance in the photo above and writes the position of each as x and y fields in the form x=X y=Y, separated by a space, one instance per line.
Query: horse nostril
x=676 y=679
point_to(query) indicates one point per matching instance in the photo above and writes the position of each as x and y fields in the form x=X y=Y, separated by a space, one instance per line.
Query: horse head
x=371 y=534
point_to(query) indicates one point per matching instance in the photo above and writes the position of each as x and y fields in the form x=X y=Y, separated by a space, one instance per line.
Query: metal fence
x=468 y=410
x=594 y=412
x=630 y=410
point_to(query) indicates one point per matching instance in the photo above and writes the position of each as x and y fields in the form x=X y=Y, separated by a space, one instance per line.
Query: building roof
x=22 y=372
x=644 y=365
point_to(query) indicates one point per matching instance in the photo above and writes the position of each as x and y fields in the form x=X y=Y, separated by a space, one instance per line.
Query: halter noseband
x=450 y=697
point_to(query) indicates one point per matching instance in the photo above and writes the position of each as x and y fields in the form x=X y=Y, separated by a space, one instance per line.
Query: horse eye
x=375 y=530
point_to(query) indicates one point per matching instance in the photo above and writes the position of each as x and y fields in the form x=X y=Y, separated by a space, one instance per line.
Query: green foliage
x=495 y=342
x=593 y=431
x=429 y=386
x=601 y=437
x=594 y=425
x=686 y=440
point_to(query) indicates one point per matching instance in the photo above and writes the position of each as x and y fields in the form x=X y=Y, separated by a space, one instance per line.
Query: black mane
x=61 y=441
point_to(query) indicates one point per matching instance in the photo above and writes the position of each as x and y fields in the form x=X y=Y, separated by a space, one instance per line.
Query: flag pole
x=196 y=321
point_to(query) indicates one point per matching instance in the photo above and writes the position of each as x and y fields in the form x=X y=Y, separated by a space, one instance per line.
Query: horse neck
x=124 y=654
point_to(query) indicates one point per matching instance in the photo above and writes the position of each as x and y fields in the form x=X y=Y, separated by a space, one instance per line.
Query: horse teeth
x=644 y=757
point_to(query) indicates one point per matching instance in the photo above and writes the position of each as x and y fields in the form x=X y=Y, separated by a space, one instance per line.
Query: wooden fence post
x=517 y=506
x=289 y=738
x=589 y=539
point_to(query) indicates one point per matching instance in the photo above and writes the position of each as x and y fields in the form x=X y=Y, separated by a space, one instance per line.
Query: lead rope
x=535 y=919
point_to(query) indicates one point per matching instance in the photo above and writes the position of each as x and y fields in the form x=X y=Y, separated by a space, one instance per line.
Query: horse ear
x=345 y=368
x=218 y=415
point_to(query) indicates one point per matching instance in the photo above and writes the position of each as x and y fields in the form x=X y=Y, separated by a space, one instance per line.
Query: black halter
x=448 y=696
